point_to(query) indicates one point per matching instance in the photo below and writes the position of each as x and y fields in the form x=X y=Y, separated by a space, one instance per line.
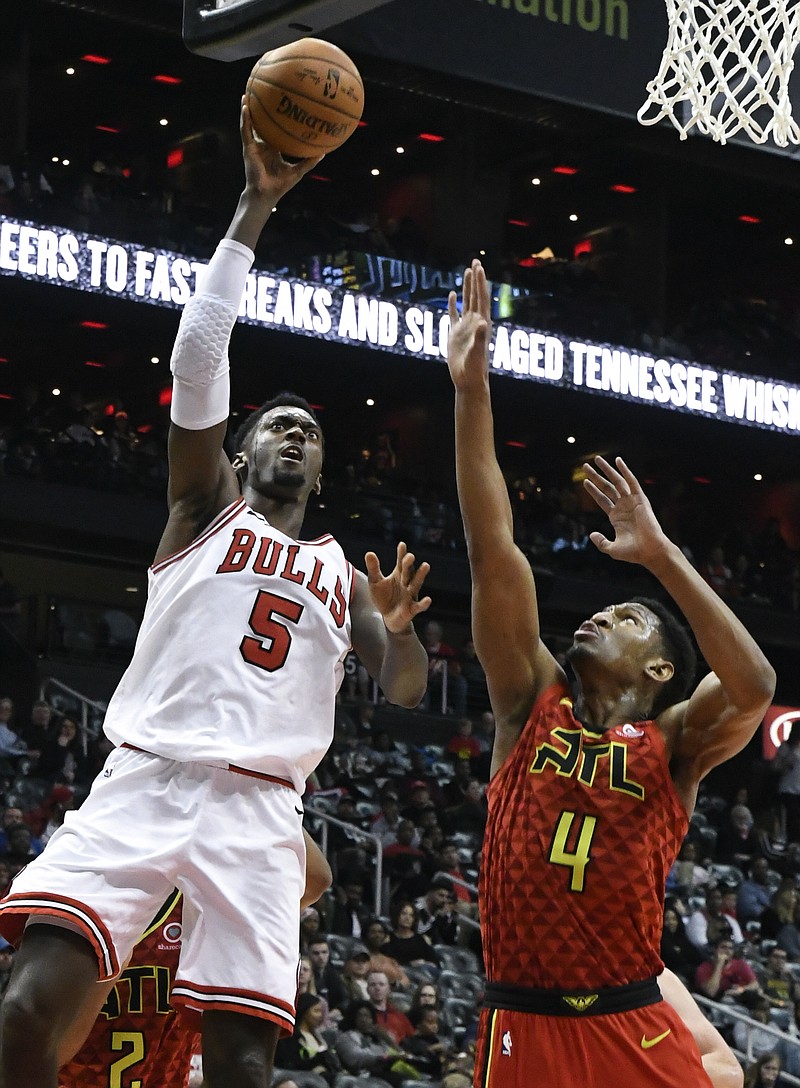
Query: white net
x=726 y=68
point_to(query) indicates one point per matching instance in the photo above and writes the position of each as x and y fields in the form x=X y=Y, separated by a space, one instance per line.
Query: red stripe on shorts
x=195 y=998
x=24 y=904
x=231 y=767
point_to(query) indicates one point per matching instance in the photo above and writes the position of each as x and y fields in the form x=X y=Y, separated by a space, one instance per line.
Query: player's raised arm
x=505 y=622
x=201 y=481
x=729 y=703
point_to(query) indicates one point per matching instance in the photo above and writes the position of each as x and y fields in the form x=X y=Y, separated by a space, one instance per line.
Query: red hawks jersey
x=241 y=650
x=581 y=833
x=138 y=1041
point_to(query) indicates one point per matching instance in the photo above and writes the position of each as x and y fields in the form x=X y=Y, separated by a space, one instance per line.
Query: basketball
x=305 y=98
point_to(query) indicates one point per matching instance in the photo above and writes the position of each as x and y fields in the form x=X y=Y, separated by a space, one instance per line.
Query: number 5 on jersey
x=270 y=650
x=576 y=859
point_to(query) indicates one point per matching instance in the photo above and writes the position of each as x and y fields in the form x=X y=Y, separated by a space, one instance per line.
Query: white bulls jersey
x=241 y=650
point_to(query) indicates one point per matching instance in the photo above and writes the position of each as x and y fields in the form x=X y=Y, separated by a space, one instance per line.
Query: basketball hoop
x=726 y=68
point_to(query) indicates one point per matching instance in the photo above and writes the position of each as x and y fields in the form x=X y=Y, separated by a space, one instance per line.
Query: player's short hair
x=285 y=399
x=678 y=649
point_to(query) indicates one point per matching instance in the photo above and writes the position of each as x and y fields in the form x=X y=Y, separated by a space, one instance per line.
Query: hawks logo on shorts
x=138 y=1038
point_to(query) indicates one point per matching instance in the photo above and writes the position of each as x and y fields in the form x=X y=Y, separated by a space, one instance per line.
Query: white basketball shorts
x=231 y=841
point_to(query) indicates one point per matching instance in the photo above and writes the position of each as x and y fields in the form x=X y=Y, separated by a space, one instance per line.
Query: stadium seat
x=461 y=960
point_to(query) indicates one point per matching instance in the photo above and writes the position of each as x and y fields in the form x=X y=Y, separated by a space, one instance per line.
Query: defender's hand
x=396 y=595
x=638 y=537
x=470 y=333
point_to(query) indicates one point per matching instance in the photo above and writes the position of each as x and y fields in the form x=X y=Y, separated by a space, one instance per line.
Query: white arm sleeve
x=199 y=363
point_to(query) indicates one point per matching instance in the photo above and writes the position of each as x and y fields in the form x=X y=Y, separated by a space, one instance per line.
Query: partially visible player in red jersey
x=592 y=786
x=129 y=1033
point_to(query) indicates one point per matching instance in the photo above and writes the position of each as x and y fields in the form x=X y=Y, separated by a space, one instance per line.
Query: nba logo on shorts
x=507 y=1044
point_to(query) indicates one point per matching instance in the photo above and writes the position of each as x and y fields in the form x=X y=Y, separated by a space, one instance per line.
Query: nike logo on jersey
x=299 y=812
x=647 y=1043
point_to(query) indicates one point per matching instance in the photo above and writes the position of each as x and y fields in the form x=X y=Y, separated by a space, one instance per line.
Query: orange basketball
x=305 y=98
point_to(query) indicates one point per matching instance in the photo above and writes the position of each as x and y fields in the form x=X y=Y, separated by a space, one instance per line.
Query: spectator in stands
x=375 y=937
x=443 y=673
x=36 y=733
x=426 y=1048
x=686 y=876
x=350 y=913
x=310 y=926
x=306 y=1049
x=758 y=1041
x=406 y=944
x=707 y=924
x=386 y=824
x=11 y=745
x=781 y=912
x=419 y=774
x=677 y=951
x=470 y=815
x=755 y=893
x=21 y=849
x=451 y=866
x=354 y=973
x=765 y=1072
x=453 y=792
x=61 y=757
x=724 y=974
x=402 y=862
x=437 y=918
x=327 y=982
x=779 y=985
x=738 y=843
x=13 y=818
x=786 y=766
x=5 y=877
x=45 y=820
x=345 y=843
x=396 y=1023
x=419 y=800
x=363 y=1045
x=463 y=745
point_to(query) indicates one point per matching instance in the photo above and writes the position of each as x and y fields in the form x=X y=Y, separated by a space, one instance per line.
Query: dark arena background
x=646 y=296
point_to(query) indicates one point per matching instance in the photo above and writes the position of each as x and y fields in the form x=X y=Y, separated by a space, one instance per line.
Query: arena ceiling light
x=623 y=189
x=749 y=219
x=95 y=58
x=171 y=80
x=430 y=138
x=568 y=170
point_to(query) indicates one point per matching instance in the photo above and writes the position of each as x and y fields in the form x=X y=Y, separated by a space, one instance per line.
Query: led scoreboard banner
x=160 y=277
x=235 y=29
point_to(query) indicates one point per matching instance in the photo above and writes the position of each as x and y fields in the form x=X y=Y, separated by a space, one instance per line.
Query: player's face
x=285 y=453
x=618 y=636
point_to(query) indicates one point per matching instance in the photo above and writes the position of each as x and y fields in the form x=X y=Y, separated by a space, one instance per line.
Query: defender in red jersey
x=592 y=783
x=137 y=1036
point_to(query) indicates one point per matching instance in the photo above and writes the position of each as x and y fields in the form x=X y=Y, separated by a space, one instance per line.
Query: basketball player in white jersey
x=226 y=708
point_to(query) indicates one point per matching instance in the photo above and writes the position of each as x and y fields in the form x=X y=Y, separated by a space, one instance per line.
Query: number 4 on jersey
x=579 y=858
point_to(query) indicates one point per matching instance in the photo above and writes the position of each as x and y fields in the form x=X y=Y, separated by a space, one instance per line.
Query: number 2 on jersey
x=576 y=859
x=120 y=1039
x=270 y=654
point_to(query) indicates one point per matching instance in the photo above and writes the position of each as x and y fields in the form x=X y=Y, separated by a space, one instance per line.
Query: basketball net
x=726 y=68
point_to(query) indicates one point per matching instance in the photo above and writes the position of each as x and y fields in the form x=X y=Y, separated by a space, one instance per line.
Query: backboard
x=235 y=29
